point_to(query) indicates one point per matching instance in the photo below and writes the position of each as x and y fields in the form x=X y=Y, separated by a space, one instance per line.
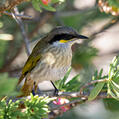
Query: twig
x=81 y=100
x=18 y=15
x=69 y=94
x=24 y=34
x=90 y=83
x=9 y=4
x=104 y=28
x=6 y=66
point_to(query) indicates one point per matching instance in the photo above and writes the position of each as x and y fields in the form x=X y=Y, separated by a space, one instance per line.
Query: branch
x=111 y=23
x=82 y=99
x=6 y=66
x=74 y=102
x=18 y=15
x=9 y=4
x=105 y=27
x=90 y=83
x=24 y=34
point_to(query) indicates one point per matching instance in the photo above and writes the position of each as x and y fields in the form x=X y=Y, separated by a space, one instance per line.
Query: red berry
x=45 y=2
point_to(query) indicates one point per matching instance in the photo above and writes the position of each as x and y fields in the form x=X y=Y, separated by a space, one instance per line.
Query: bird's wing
x=34 y=57
x=29 y=65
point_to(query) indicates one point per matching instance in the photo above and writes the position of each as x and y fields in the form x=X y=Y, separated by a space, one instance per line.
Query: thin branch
x=6 y=66
x=91 y=83
x=24 y=34
x=81 y=100
x=18 y=15
x=111 y=23
x=69 y=94
x=9 y=4
x=105 y=27
x=75 y=102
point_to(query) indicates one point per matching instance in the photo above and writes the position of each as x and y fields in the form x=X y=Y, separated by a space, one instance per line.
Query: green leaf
x=111 y=104
x=96 y=90
x=114 y=89
x=114 y=3
x=36 y=5
x=100 y=73
x=95 y=75
x=114 y=69
x=104 y=77
x=116 y=93
x=73 y=84
x=114 y=85
x=73 y=87
x=63 y=81
x=111 y=67
x=110 y=92
x=73 y=80
x=47 y=7
x=55 y=1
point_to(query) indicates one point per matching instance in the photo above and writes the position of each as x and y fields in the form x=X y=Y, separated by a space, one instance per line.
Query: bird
x=50 y=58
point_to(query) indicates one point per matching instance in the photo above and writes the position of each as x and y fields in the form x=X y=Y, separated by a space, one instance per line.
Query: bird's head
x=63 y=35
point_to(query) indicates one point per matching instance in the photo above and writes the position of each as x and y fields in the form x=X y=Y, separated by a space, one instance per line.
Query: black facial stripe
x=62 y=36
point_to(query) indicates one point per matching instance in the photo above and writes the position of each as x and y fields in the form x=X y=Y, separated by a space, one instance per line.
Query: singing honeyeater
x=50 y=58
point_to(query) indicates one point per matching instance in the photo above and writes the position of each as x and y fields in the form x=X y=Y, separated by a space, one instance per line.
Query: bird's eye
x=62 y=38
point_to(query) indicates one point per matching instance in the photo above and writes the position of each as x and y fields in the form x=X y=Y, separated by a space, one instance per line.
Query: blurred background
x=97 y=19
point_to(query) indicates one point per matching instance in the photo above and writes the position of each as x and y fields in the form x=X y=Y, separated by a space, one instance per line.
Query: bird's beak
x=77 y=39
x=81 y=37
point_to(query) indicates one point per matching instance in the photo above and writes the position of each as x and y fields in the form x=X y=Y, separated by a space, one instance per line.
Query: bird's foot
x=34 y=89
x=33 y=92
x=56 y=91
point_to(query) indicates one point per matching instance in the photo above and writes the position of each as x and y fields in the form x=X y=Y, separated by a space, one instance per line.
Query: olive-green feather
x=34 y=57
x=30 y=64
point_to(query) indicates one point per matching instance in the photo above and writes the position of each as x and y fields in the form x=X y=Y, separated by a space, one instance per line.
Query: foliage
x=71 y=85
x=7 y=85
x=3 y=45
x=9 y=110
x=109 y=6
x=34 y=107
x=45 y=4
x=83 y=56
x=113 y=87
x=111 y=82
x=111 y=104
x=114 y=3
x=96 y=90
x=37 y=107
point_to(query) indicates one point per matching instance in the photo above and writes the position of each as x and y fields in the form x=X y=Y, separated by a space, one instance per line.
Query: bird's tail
x=27 y=87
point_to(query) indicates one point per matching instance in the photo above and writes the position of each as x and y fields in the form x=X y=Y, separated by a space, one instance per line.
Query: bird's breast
x=53 y=65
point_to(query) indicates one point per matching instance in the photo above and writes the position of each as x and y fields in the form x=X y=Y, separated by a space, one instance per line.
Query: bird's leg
x=34 y=89
x=56 y=90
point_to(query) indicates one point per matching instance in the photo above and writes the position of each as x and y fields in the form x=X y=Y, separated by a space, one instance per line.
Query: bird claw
x=56 y=91
x=33 y=92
